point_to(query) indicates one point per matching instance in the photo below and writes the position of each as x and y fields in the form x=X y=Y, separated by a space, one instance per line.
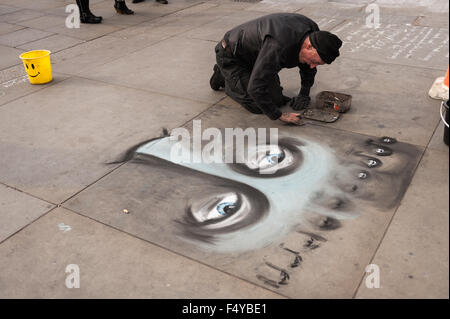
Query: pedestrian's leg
x=86 y=15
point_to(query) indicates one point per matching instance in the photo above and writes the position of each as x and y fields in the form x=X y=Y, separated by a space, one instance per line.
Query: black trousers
x=237 y=75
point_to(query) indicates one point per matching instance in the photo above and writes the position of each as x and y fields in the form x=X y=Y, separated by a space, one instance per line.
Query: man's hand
x=300 y=102
x=292 y=118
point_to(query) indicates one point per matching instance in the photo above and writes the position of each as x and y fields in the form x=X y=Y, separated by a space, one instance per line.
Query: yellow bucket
x=37 y=65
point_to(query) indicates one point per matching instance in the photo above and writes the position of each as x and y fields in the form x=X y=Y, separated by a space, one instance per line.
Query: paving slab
x=15 y=83
x=234 y=5
x=215 y=30
x=44 y=22
x=292 y=232
x=272 y=6
x=178 y=22
x=53 y=43
x=7 y=9
x=20 y=15
x=154 y=28
x=143 y=11
x=86 y=31
x=16 y=38
x=437 y=141
x=63 y=157
x=86 y=56
x=378 y=105
x=433 y=20
x=111 y=17
x=39 y=5
x=333 y=10
x=17 y=210
x=424 y=6
x=161 y=9
x=397 y=44
x=111 y=265
x=10 y=56
x=6 y=28
x=413 y=257
x=157 y=68
x=357 y=12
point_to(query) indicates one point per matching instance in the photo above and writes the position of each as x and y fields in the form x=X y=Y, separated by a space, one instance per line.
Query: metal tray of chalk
x=338 y=102
x=322 y=115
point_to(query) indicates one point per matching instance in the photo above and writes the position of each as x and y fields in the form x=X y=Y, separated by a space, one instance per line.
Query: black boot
x=86 y=15
x=137 y=1
x=122 y=8
x=162 y=1
x=217 y=80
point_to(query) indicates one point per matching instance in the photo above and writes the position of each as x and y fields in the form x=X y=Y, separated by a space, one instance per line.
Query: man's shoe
x=162 y=1
x=137 y=1
x=217 y=80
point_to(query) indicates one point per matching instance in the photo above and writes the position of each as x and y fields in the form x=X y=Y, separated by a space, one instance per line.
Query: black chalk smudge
x=268 y=281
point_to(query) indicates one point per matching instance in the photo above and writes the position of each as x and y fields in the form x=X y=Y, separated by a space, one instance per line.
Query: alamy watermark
x=73 y=19
x=257 y=147
x=73 y=277
x=373 y=17
x=373 y=278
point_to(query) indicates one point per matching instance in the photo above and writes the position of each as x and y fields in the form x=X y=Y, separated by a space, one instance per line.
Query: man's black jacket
x=267 y=45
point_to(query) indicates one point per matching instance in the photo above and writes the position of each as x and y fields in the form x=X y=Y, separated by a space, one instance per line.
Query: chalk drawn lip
x=33 y=76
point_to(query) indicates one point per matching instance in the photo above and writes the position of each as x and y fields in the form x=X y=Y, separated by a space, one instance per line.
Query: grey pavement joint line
x=46 y=37
x=26 y=193
x=175 y=252
x=31 y=222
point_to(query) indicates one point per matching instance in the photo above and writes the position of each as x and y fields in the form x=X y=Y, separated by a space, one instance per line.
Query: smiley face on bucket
x=32 y=69
x=37 y=66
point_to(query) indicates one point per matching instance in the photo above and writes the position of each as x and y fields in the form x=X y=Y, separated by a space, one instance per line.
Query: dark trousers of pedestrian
x=237 y=75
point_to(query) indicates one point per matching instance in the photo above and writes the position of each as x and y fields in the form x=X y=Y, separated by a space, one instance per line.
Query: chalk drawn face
x=32 y=69
x=235 y=208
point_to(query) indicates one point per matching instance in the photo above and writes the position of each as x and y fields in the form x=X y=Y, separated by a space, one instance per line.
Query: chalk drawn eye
x=217 y=207
x=26 y=65
x=272 y=160
x=225 y=208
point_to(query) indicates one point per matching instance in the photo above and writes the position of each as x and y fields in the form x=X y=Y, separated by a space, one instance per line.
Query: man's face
x=308 y=54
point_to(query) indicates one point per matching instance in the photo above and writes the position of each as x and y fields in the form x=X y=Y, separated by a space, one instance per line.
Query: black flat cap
x=327 y=45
